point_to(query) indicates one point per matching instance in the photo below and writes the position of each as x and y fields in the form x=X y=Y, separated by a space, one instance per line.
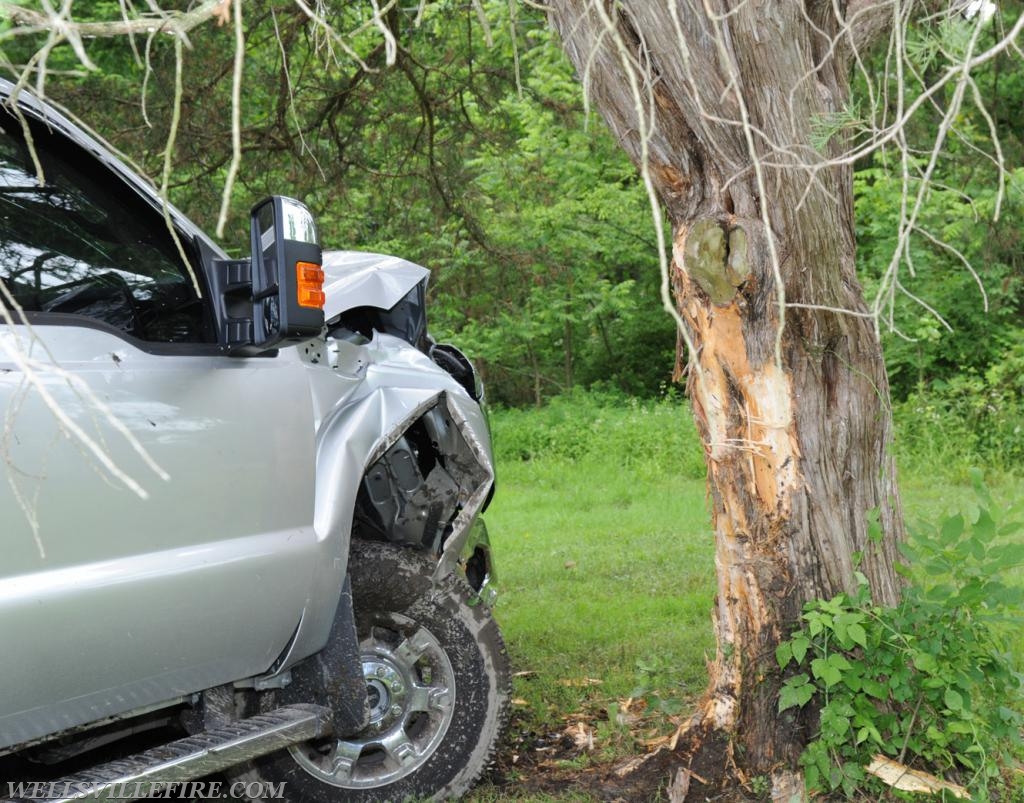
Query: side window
x=85 y=244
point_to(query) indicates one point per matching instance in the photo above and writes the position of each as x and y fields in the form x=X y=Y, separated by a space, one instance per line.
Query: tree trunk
x=787 y=379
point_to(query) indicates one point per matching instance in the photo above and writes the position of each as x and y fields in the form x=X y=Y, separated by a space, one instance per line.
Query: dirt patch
x=571 y=762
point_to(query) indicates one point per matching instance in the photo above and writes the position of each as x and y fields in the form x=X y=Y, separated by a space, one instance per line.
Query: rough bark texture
x=796 y=429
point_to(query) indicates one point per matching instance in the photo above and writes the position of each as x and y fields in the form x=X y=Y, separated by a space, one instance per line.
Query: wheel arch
x=354 y=435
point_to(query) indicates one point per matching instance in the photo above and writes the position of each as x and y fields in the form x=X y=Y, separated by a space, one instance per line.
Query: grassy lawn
x=602 y=579
x=606 y=570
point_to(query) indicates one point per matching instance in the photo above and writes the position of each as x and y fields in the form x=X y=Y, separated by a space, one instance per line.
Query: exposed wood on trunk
x=796 y=426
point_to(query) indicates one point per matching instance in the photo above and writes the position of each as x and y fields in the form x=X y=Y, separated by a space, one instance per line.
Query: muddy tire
x=438 y=680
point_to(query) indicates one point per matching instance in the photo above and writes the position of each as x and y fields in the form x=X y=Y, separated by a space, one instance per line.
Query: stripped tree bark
x=715 y=103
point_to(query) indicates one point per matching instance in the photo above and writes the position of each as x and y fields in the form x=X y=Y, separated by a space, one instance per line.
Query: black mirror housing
x=277 y=296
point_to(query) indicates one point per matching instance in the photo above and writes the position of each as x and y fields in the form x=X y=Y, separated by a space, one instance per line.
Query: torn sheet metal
x=398 y=377
x=372 y=396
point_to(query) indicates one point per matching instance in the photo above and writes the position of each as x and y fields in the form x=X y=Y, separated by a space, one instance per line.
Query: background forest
x=475 y=156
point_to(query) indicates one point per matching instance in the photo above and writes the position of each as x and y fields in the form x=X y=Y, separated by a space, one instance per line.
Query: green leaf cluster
x=964 y=258
x=471 y=154
x=969 y=418
x=929 y=682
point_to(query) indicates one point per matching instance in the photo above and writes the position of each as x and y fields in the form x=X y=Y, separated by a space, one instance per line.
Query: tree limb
x=869 y=21
x=178 y=23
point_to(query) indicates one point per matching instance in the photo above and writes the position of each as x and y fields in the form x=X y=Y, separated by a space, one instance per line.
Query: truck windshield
x=83 y=243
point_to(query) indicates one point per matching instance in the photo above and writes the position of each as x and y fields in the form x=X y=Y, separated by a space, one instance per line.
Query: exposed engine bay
x=413 y=493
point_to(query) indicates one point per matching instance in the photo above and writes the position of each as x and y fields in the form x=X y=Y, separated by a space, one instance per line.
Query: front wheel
x=437 y=678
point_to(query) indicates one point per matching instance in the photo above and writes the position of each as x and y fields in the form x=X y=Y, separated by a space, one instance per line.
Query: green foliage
x=939 y=434
x=929 y=682
x=657 y=684
x=472 y=155
x=569 y=296
x=961 y=422
x=824 y=128
x=920 y=350
x=652 y=437
x=964 y=258
x=970 y=418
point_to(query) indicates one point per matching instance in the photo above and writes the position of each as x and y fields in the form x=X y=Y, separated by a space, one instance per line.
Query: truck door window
x=86 y=244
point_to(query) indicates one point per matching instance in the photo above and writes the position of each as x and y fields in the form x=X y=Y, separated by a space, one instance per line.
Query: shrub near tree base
x=929 y=682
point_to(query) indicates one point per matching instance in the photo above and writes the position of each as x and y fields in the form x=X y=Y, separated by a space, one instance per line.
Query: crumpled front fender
x=380 y=391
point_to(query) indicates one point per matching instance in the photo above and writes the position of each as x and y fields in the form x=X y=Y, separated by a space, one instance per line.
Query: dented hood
x=359 y=279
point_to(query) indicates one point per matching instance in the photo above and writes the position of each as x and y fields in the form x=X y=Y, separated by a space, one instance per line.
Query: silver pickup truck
x=241 y=504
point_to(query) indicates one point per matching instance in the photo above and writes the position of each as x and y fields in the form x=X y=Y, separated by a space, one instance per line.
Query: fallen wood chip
x=679 y=788
x=580 y=682
x=657 y=742
x=519 y=701
x=582 y=736
x=526 y=673
x=899 y=776
x=675 y=738
x=631 y=766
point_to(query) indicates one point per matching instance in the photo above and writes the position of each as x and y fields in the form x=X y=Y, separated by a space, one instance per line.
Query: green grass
x=603 y=575
x=604 y=555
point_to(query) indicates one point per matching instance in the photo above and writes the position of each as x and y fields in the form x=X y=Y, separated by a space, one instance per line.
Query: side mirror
x=278 y=296
x=287 y=272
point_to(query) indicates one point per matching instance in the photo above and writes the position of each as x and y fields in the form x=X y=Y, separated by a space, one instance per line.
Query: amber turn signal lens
x=310 y=285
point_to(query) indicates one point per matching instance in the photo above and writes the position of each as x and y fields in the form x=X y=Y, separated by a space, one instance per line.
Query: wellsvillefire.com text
x=185 y=790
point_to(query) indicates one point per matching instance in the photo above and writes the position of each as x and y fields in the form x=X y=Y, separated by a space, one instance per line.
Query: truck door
x=157 y=496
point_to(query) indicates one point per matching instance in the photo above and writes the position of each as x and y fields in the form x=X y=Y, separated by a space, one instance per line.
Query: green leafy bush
x=653 y=436
x=929 y=682
x=968 y=419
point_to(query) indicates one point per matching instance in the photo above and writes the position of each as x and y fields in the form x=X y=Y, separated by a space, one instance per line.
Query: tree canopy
x=473 y=154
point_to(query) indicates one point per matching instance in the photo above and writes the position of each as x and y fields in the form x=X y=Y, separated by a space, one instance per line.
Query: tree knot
x=715 y=257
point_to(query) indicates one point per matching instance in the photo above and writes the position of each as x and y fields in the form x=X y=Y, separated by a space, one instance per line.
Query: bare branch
x=172 y=134
x=26 y=21
x=236 y=121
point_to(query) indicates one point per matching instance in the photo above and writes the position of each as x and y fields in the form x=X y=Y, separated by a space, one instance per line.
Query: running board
x=193 y=757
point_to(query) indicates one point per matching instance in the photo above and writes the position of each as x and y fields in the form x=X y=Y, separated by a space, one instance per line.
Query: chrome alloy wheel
x=411 y=688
